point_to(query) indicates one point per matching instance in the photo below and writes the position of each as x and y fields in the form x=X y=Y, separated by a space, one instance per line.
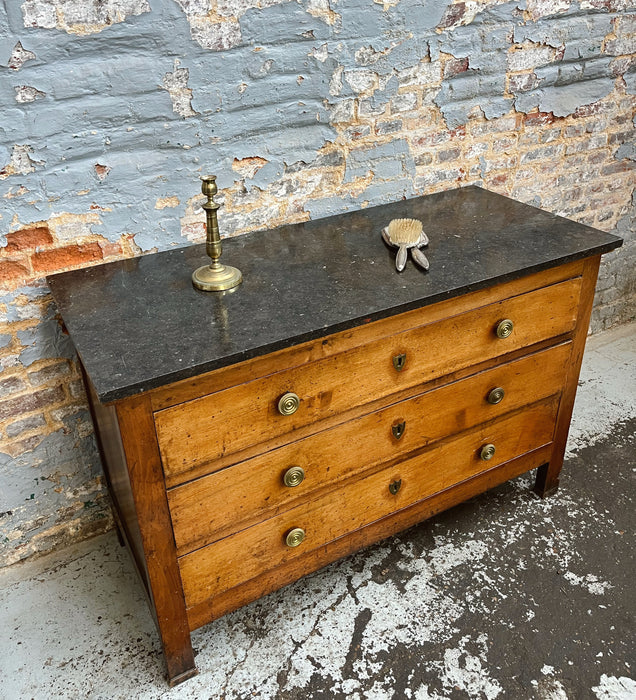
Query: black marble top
x=138 y=324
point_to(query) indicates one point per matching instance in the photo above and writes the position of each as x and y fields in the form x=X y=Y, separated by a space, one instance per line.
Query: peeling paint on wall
x=80 y=17
x=19 y=56
x=176 y=83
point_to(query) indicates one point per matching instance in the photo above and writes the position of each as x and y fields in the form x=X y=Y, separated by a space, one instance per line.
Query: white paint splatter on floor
x=611 y=688
x=607 y=387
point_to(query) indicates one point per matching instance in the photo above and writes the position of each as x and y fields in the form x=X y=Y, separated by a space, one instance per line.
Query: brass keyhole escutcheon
x=487 y=452
x=395 y=486
x=288 y=403
x=504 y=328
x=398 y=429
x=295 y=537
x=294 y=476
x=496 y=395
x=399 y=361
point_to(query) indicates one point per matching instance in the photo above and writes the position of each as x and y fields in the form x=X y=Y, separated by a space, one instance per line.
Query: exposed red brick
x=11 y=385
x=458 y=133
x=620 y=66
x=453 y=15
x=588 y=110
x=621 y=137
x=620 y=166
x=101 y=170
x=193 y=231
x=523 y=82
x=598 y=157
x=11 y=270
x=455 y=66
x=28 y=238
x=31 y=402
x=109 y=249
x=539 y=118
x=46 y=374
x=499 y=180
x=431 y=139
x=69 y=256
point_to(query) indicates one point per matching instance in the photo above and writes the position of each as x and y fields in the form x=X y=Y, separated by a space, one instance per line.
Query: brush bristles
x=405 y=231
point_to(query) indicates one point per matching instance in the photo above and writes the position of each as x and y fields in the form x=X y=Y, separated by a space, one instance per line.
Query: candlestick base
x=216 y=279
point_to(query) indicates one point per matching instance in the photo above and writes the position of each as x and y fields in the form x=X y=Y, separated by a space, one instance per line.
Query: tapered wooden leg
x=547 y=480
x=543 y=487
x=139 y=443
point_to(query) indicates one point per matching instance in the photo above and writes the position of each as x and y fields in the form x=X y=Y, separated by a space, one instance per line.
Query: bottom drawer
x=239 y=557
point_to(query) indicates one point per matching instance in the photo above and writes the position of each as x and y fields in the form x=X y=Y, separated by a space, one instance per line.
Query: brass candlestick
x=214 y=277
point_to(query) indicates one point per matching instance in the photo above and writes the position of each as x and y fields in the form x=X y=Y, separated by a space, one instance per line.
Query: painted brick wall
x=112 y=108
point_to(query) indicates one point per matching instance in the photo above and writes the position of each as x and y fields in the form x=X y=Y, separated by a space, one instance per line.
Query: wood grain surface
x=237 y=558
x=224 y=422
x=233 y=498
x=293 y=569
x=139 y=443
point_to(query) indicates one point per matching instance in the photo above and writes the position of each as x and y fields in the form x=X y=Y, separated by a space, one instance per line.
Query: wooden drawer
x=235 y=559
x=225 y=422
x=236 y=497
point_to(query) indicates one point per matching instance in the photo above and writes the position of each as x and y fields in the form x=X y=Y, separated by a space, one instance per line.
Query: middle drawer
x=236 y=497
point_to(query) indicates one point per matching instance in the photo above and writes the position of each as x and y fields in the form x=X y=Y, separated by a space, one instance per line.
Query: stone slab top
x=139 y=323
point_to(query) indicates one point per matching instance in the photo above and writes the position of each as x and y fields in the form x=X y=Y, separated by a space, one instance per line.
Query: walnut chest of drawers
x=251 y=438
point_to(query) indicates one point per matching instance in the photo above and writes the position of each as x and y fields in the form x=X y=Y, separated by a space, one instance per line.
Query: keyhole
x=399 y=361
x=394 y=486
x=398 y=429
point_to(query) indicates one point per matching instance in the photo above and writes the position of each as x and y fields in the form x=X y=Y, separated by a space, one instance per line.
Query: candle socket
x=214 y=277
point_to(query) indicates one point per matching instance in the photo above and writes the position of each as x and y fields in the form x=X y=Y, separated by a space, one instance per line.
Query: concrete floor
x=505 y=596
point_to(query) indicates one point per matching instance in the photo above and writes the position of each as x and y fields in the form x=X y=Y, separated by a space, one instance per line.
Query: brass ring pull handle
x=288 y=403
x=294 y=476
x=295 y=537
x=504 y=328
x=395 y=486
x=398 y=429
x=487 y=452
x=399 y=361
x=496 y=395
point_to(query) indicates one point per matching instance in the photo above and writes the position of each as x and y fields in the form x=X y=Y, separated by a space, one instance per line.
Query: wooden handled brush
x=405 y=234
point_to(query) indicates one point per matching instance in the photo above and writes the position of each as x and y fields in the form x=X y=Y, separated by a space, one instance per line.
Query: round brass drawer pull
x=294 y=476
x=496 y=395
x=288 y=403
x=295 y=537
x=487 y=452
x=505 y=328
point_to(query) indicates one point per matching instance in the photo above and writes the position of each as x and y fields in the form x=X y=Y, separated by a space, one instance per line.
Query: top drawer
x=198 y=432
